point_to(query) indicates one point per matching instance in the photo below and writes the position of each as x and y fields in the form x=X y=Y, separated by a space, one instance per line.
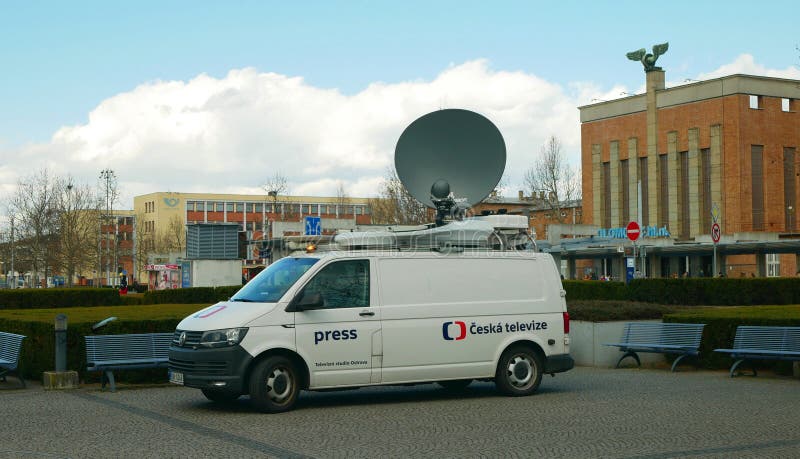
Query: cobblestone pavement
x=584 y=413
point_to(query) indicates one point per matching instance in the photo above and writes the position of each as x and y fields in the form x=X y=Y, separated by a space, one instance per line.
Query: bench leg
x=629 y=354
x=21 y=379
x=675 y=363
x=110 y=376
x=739 y=362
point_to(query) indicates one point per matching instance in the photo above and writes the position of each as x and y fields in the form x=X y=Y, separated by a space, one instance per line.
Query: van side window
x=342 y=284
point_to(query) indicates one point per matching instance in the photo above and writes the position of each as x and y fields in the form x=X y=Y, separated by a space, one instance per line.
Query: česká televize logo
x=458 y=325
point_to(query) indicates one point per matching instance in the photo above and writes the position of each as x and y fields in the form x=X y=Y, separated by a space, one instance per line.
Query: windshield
x=272 y=283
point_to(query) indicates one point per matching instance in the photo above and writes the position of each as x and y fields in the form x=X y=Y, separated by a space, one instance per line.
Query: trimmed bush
x=692 y=291
x=34 y=298
x=606 y=311
x=595 y=290
x=190 y=295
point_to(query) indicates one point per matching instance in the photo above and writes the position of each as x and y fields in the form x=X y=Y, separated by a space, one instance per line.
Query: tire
x=454 y=385
x=274 y=385
x=519 y=371
x=220 y=395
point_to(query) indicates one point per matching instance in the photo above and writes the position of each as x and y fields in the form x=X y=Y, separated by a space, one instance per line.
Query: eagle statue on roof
x=649 y=60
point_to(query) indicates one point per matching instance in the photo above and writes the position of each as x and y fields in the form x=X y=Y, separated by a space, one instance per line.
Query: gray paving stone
x=587 y=412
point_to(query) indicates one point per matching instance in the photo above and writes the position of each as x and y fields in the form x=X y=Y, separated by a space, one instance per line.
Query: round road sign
x=633 y=230
x=715 y=232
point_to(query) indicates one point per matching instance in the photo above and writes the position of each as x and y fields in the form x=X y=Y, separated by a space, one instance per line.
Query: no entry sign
x=633 y=231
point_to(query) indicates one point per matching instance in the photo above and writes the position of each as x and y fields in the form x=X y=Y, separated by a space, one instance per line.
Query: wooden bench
x=662 y=338
x=10 y=348
x=126 y=352
x=763 y=343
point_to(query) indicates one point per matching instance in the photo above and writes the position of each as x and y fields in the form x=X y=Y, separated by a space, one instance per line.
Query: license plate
x=176 y=377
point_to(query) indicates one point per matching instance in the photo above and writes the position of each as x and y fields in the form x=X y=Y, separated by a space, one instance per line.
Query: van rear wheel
x=274 y=385
x=519 y=371
x=454 y=385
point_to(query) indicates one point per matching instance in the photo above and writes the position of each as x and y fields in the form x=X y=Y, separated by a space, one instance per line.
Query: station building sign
x=621 y=233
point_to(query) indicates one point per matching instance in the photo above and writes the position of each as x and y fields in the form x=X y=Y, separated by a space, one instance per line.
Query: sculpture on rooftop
x=649 y=60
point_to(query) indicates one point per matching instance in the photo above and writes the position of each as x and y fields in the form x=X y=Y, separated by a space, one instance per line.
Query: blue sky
x=62 y=60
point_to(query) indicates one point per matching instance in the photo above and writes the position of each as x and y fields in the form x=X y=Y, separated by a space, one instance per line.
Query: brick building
x=722 y=150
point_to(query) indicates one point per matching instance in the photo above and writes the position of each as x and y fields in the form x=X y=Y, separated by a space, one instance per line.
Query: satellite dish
x=451 y=150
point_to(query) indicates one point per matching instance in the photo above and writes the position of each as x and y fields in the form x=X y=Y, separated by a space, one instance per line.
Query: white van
x=344 y=319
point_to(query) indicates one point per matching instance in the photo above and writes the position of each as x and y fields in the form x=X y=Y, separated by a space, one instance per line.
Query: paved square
x=587 y=412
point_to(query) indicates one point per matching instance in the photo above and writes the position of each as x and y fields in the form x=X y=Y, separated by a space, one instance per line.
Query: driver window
x=342 y=284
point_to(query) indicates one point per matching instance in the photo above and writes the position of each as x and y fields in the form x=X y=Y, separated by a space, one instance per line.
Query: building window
x=606 y=168
x=755 y=102
x=219 y=206
x=705 y=188
x=259 y=207
x=786 y=104
x=789 y=174
x=757 y=178
x=663 y=192
x=645 y=217
x=684 y=193
x=624 y=177
x=200 y=206
x=773 y=265
x=239 y=207
x=229 y=206
x=190 y=206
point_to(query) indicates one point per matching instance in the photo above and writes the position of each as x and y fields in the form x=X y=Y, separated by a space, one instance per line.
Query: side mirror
x=305 y=301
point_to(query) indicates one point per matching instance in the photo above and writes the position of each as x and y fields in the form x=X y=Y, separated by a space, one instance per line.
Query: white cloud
x=746 y=64
x=230 y=134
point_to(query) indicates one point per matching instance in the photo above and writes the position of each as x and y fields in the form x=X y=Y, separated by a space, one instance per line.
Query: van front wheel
x=519 y=371
x=220 y=395
x=274 y=385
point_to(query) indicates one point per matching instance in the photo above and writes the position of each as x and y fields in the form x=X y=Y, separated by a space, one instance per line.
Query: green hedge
x=38 y=348
x=37 y=298
x=720 y=330
x=190 y=295
x=692 y=291
x=596 y=290
x=605 y=311
x=34 y=298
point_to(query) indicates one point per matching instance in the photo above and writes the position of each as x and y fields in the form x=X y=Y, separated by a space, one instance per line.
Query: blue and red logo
x=462 y=330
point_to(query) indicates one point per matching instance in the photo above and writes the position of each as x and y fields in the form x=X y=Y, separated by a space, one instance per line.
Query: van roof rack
x=493 y=232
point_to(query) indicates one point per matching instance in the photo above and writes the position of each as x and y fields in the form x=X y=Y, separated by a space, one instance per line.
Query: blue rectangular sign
x=313 y=226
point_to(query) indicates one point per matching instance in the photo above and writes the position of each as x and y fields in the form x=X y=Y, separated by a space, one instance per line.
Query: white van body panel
x=450 y=316
x=225 y=314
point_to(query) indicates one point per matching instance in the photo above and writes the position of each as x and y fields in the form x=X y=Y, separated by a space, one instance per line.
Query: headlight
x=223 y=338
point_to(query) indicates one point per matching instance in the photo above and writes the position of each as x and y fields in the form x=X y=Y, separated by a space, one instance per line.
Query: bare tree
x=276 y=185
x=35 y=207
x=109 y=191
x=173 y=239
x=551 y=180
x=342 y=198
x=78 y=209
x=395 y=205
x=145 y=243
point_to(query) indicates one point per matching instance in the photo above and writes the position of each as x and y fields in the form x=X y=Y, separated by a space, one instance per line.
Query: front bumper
x=559 y=363
x=216 y=368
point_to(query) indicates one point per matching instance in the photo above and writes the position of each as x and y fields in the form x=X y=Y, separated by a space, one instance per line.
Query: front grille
x=192 y=338
x=205 y=368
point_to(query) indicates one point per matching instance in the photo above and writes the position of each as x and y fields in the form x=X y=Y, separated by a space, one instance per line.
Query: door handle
x=366 y=313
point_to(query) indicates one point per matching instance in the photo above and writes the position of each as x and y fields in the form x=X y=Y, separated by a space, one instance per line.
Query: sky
x=200 y=96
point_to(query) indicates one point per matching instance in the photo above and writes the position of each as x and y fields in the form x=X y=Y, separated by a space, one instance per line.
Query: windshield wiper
x=244 y=300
